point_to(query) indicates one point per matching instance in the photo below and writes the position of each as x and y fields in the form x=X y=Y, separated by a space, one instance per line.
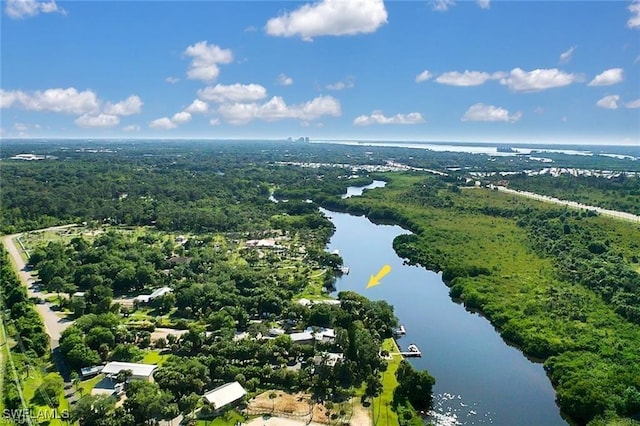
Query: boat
x=413 y=348
x=344 y=270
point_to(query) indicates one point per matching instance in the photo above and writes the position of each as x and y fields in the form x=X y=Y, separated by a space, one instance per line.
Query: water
x=479 y=378
x=354 y=191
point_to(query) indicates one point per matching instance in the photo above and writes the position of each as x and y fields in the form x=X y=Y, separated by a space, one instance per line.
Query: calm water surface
x=479 y=378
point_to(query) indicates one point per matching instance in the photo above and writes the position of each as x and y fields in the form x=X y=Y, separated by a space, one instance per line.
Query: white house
x=224 y=395
x=139 y=371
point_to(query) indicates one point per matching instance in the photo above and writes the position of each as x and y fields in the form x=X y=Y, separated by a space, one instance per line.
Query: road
x=573 y=204
x=54 y=323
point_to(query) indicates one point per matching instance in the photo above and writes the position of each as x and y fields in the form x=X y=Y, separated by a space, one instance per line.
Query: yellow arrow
x=375 y=279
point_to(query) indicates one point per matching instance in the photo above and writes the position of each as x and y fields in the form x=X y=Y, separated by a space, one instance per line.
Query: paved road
x=54 y=323
x=573 y=204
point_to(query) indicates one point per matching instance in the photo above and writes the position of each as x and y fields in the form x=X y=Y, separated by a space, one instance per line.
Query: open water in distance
x=479 y=378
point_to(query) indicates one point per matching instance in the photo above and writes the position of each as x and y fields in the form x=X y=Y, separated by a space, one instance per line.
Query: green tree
x=50 y=389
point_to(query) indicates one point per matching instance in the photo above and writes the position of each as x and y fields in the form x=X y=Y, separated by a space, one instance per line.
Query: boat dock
x=411 y=352
x=400 y=331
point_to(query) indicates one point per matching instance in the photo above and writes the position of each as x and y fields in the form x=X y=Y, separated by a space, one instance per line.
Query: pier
x=400 y=331
x=412 y=351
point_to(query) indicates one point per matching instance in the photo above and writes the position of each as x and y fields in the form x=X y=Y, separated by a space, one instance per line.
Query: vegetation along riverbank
x=561 y=284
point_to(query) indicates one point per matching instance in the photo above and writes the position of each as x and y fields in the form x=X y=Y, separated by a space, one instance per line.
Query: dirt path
x=54 y=324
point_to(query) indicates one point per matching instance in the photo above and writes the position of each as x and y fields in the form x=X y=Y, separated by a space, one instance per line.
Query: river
x=479 y=378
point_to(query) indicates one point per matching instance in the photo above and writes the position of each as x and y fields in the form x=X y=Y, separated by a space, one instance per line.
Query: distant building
x=139 y=371
x=146 y=298
x=227 y=394
x=27 y=157
x=302 y=338
x=322 y=334
x=310 y=335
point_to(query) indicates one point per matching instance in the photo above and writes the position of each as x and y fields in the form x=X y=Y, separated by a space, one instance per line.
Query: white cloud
x=131 y=105
x=277 y=109
x=131 y=128
x=467 y=78
x=163 y=123
x=484 y=4
x=634 y=20
x=377 y=117
x=19 y=9
x=341 y=85
x=633 y=104
x=566 y=56
x=68 y=101
x=330 y=17
x=100 y=120
x=214 y=121
x=205 y=60
x=283 y=80
x=607 y=78
x=539 y=79
x=233 y=92
x=172 y=80
x=442 y=5
x=251 y=29
x=423 y=76
x=609 y=102
x=181 y=117
x=21 y=127
x=482 y=112
x=198 y=107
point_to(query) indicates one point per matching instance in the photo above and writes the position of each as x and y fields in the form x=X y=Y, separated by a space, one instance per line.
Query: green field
x=381 y=411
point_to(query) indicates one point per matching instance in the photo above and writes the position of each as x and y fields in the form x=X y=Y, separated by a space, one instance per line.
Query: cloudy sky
x=548 y=71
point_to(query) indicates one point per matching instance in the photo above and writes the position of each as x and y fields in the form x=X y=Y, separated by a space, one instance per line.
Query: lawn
x=87 y=385
x=43 y=413
x=381 y=411
x=154 y=357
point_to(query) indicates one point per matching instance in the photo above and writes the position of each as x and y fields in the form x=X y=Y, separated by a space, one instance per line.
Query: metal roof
x=138 y=370
x=225 y=394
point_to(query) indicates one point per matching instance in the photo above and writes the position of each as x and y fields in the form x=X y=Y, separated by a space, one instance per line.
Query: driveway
x=54 y=323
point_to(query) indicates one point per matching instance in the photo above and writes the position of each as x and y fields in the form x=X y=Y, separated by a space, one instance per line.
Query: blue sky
x=512 y=71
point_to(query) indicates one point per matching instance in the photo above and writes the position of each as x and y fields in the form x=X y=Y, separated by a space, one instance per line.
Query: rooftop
x=225 y=394
x=138 y=370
